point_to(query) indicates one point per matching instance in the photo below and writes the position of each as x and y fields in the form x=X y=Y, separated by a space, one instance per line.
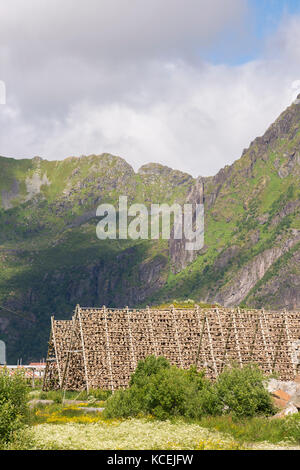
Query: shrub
x=241 y=392
x=13 y=403
x=159 y=389
x=164 y=391
x=133 y=401
x=146 y=369
x=205 y=402
x=167 y=393
x=124 y=403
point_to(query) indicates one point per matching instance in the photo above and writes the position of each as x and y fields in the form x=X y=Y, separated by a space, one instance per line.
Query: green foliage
x=146 y=369
x=21 y=439
x=242 y=393
x=291 y=427
x=255 y=429
x=156 y=388
x=13 y=403
x=165 y=391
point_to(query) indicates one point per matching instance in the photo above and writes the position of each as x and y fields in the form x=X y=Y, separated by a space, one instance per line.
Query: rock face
x=34 y=184
x=247 y=277
x=285 y=395
x=51 y=259
x=180 y=257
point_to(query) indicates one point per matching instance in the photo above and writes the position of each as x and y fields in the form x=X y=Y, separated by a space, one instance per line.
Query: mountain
x=51 y=259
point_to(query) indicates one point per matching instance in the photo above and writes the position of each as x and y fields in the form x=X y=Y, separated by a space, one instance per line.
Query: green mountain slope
x=51 y=259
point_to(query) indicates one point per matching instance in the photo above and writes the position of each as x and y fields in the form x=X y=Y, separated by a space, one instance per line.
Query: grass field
x=80 y=423
x=59 y=427
x=138 y=434
x=130 y=434
x=87 y=421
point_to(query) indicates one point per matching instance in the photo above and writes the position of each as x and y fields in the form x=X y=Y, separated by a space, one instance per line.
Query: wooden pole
x=289 y=343
x=227 y=342
x=200 y=340
x=153 y=339
x=56 y=352
x=83 y=352
x=262 y=321
x=133 y=359
x=66 y=368
x=108 y=350
x=278 y=345
x=254 y=338
x=237 y=340
x=177 y=336
x=211 y=349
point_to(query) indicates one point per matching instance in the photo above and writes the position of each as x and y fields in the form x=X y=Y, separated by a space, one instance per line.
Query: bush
x=13 y=403
x=164 y=391
x=146 y=369
x=133 y=401
x=241 y=392
x=203 y=403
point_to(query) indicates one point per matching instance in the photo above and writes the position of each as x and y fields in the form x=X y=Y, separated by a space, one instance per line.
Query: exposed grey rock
x=180 y=257
x=34 y=184
x=295 y=399
x=289 y=387
x=289 y=410
x=233 y=293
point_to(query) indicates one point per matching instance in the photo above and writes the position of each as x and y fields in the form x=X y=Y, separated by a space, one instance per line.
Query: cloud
x=114 y=28
x=126 y=77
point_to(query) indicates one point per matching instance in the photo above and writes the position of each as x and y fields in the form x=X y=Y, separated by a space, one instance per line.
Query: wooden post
x=66 y=368
x=177 y=335
x=289 y=343
x=278 y=345
x=152 y=332
x=237 y=340
x=108 y=350
x=56 y=352
x=226 y=344
x=211 y=348
x=134 y=364
x=200 y=340
x=262 y=321
x=220 y=326
x=254 y=338
x=83 y=352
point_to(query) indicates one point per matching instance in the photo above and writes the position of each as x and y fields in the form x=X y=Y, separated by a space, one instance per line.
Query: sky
x=185 y=83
